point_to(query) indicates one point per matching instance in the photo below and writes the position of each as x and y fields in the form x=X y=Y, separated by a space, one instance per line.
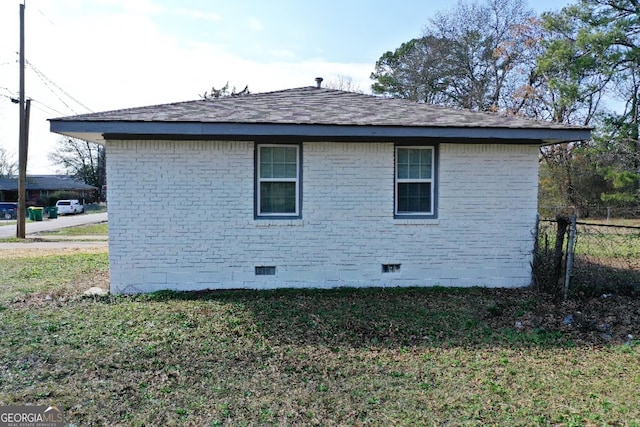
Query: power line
x=45 y=110
x=46 y=17
x=36 y=102
x=14 y=96
x=46 y=80
x=56 y=95
x=12 y=93
x=51 y=109
x=46 y=106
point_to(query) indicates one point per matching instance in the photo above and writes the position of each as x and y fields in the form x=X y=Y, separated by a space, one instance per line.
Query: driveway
x=7 y=231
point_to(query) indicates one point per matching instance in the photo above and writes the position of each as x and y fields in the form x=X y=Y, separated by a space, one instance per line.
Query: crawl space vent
x=390 y=268
x=265 y=270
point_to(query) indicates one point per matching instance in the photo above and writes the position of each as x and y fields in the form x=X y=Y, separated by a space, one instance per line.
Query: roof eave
x=100 y=131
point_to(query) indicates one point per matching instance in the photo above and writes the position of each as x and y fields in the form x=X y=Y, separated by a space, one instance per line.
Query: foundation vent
x=265 y=270
x=390 y=268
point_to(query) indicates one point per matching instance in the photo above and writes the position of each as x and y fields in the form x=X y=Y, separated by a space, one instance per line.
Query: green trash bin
x=53 y=212
x=37 y=213
x=30 y=212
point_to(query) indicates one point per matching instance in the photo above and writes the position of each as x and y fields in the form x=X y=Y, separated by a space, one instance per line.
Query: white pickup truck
x=66 y=207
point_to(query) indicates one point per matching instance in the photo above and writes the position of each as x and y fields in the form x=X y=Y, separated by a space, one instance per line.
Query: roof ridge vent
x=319 y=82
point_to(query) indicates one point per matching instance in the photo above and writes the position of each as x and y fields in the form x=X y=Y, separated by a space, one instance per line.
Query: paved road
x=54 y=224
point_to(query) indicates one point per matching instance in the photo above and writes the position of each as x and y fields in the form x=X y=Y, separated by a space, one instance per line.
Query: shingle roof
x=306 y=106
x=46 y=182
x=310 y=105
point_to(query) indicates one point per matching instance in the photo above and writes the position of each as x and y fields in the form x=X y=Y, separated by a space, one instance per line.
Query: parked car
x=8 y=210
x=72 y=206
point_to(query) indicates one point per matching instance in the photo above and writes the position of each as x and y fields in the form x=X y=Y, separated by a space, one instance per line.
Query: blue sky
x=110 y=54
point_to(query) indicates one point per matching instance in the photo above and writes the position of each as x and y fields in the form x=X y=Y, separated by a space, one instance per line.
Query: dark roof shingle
x=46 y=182
x=314 y=106
x=310 y=113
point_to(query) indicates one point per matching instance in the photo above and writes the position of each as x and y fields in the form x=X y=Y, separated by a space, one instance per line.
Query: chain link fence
x=581 y=257
x=588 y=213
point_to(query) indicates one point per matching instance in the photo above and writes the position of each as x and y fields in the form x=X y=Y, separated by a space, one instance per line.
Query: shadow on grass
x=593 y=276
x=590 y=276
x=386 y=317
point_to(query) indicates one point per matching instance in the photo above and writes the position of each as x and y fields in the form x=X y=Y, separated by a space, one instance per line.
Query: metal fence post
x=570 y=251
x=536 y=251
x=558 y=252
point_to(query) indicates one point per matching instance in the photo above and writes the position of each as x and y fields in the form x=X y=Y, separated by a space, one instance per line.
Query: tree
x=8 y=167
x=83 y=159
x=592 y=51
x=572 y=69
x=615 y=151
x=224 y=92
x=418 y=70
x=344 y=83
x=472 y=56
x=561 y=67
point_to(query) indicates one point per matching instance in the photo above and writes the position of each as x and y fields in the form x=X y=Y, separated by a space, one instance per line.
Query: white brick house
x=313 y=187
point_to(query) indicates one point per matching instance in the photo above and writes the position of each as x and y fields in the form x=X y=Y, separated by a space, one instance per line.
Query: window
x=415 y=186
x=278 y=181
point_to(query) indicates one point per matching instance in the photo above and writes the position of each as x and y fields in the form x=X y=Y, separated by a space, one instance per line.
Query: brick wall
x=181 y=216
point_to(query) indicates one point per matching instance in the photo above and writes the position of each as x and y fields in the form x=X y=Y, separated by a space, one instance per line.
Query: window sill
x=264 y=223
x=416 y=221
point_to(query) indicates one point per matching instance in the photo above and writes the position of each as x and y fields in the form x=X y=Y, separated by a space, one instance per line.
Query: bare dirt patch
x=64 y=294
x=597 y=320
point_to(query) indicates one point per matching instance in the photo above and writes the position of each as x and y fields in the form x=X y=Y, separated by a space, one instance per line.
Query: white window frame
x=259 y=180
x=431 y=180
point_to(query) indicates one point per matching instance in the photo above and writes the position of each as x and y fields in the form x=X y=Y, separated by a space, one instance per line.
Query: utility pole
x=27 y=115
x=22 y=150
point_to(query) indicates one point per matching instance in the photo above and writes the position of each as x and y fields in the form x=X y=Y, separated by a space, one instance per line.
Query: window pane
x=290 y=155
x=266 y=154
x=413 y=156
x=278 y=197
x=425 y=164
x=290 y=170
x=414 y=197
x=403 y=155
x=403 y=171
x=414 y=163
x=414 y=171
x=278 y=170
x=279 y=154
x=403 y=163
x=266 y=160
x=278 y=162
x=266 y=170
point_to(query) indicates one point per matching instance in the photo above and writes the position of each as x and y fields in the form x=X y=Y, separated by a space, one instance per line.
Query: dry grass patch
x=39 y=252
x=56 y=273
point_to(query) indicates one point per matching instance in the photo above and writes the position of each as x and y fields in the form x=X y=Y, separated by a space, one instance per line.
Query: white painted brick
x=181 y=216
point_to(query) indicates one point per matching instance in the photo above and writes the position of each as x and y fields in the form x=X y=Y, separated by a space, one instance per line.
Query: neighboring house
x=39 y=186
x=312 y=187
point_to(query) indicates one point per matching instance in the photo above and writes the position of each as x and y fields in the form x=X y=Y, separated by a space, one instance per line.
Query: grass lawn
x=100 y=229
x=340 y=357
